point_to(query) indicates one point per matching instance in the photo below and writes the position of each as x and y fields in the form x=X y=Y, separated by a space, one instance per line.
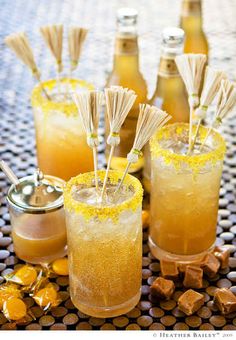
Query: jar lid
x=37 y=193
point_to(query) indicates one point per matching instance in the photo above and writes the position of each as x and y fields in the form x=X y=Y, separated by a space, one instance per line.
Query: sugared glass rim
x=103 y=212
x=194 y=162
x=39 y=100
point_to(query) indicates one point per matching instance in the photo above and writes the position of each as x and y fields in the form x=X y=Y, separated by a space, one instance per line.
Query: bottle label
x=126 y=45
x=168 y=68
x=191 y=7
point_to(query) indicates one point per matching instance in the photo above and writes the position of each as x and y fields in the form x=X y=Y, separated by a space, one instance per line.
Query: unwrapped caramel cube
x=225 y=300
x=169 y=269
x=222 y=255
x=190 y=302
x=182 y=268
x=162 y=288
x=210 y=265
x=193 y=277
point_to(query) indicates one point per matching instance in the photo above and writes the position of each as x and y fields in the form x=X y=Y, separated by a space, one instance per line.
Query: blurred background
x=99 y=16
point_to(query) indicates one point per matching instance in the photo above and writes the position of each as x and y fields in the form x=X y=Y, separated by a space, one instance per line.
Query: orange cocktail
x=104 y=244
x=184 y=193
x=62 y=150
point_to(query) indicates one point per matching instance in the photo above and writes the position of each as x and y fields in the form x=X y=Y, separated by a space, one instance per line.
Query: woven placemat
x=17 y=144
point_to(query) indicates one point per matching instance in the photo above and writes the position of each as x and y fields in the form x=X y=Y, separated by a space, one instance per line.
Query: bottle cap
x=37 y=194
x=173 y=36
x=127 y=16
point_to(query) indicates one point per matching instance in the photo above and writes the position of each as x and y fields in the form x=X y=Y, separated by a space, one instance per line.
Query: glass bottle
x=170 y=94
x=191 y=23
x=126 y=73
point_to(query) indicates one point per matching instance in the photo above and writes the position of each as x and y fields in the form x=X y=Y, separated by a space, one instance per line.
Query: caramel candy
x=14 y=309
x=182 y=268
x=162 y=288
x=222 y=255
x=225 y=300
x=193 y=277
x=145 y=218
x=24 y=276
x=60 y=266
x=169 y=269
x=47 y=297
x=8 y=291
x=190 y=302
x=210 y=265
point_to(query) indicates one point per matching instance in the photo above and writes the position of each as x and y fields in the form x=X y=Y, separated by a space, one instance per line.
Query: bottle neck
x=191 y=15
x=167 y=66
x=126 y=51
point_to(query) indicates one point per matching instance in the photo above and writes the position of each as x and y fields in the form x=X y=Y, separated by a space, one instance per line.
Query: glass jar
x=37 y=218
x=104 y=245
x=184 y=194
x=62 y=150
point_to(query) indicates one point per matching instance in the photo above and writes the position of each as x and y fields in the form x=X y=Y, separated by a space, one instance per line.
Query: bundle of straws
x=216 y=85
x=53 y=37
x=119 y=101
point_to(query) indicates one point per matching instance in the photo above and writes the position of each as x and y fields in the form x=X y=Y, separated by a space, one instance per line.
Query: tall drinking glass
x=62 y=150
x=184 y=193
x=104 y=244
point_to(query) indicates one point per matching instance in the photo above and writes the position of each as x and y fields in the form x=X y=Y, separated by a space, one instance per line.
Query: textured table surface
x=17 y=145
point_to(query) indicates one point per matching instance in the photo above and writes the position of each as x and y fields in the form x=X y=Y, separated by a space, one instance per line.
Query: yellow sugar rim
x=104 y=212
x=194 y=162
x=39 y=100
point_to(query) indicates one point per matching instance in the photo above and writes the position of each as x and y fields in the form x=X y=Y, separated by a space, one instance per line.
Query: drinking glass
x=184 y=193
x=104 y=244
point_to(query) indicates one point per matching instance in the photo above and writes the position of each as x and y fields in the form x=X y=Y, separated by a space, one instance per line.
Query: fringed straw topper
x=19 y=44
x=212 y=80
x=76 y=38
x=150 y=120
x=53 y=37
x=226 y=101
x=225 y=104
x=119 y=101
x=89 y=106
x=191 y=68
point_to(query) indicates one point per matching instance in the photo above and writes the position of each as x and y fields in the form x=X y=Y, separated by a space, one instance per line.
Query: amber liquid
x=184 y=210
x=191 y=23
x=39 y=238
x=105 y=261
x=184 y=203
x=62 y=150
x=126 y=73
x=170 y=95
